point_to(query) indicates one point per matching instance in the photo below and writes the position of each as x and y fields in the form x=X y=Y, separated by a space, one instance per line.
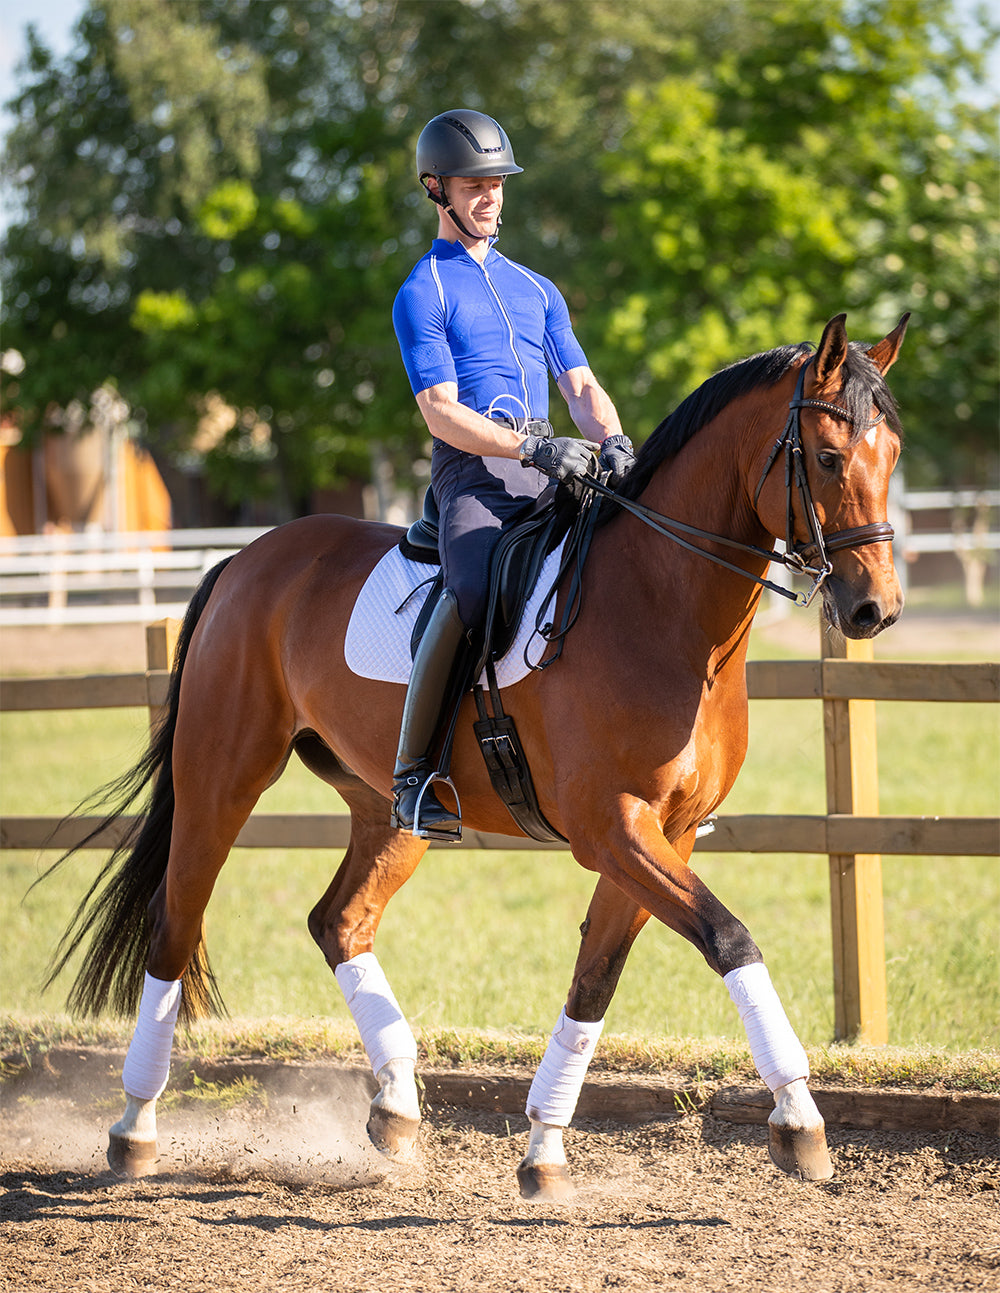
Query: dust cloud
x=293 y=1125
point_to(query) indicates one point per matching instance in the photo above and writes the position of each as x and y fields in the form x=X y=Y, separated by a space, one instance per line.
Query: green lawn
x=487 y=940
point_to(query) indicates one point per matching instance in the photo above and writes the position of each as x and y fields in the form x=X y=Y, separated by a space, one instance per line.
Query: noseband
x=810 y=558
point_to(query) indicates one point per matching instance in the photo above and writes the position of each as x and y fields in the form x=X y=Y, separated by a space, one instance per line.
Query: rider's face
x=478 y=201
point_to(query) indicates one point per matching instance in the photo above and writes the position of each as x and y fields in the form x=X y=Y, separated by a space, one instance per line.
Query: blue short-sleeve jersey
x=496 y=329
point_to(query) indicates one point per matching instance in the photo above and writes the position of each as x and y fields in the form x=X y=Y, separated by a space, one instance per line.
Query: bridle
x=810 y=558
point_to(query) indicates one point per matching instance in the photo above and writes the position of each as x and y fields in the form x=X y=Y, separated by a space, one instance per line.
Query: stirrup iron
x=450 y=836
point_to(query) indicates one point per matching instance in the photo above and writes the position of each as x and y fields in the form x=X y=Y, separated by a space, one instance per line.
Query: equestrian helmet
x=464 y=142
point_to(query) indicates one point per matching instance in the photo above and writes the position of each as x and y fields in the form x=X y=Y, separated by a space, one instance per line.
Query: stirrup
x=451 y=835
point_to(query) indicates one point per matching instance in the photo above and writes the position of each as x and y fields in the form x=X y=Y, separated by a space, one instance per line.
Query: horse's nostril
x=868 y=616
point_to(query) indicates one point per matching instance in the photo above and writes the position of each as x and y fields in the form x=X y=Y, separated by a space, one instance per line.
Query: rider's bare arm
x=463 y=428
x=590 y=406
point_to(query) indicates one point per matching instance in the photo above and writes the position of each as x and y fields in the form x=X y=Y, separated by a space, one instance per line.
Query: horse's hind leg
x=216 y=784
x=343 y=923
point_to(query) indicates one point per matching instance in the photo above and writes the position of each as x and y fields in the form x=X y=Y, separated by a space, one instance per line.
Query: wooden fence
x=852 y=833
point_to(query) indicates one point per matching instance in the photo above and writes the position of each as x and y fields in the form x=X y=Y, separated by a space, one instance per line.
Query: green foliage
x=217 y=200
x=830 y=164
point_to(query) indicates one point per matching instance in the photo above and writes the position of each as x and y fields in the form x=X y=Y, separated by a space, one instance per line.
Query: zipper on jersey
x=511 y=335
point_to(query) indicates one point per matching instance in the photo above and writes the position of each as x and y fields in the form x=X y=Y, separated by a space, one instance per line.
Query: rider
x=478 y=335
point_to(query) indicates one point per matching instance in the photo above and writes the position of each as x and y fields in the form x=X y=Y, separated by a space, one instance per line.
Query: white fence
x=101 y=578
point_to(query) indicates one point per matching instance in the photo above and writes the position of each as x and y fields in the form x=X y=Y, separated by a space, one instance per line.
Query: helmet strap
x=443 y=201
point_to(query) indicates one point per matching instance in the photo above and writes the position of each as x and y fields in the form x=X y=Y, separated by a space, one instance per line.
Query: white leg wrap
x=385 y=1034
x=777 y=1053
x=556 y=1086
x=147 y=1064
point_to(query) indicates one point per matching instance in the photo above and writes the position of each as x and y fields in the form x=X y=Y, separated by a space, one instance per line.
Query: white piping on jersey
x=528 y=275
x=437 y=280
x=550 y=354
x=510 y=333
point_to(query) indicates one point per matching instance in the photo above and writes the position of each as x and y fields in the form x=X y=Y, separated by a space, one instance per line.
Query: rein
x=810 y=558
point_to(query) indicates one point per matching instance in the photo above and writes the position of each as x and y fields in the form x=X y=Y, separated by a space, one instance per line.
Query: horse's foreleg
x=610 y=929
x=797 y=1132
x=344 y=923
x=654 y=874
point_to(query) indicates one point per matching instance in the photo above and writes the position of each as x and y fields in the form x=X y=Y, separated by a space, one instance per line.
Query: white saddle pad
x=378 y=636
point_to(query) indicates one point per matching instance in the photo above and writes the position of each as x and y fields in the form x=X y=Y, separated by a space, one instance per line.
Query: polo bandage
x=556 y=1087
x=777 y=1053
x=385 y=1034
x=147 y=1064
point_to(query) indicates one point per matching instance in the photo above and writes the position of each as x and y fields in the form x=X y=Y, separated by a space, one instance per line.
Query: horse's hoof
x=544 y=1182
x=130 y=1157
x=801 y=1153
x=391 y=1133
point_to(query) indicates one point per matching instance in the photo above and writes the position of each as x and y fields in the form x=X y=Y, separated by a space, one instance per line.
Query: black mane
x=863 y=386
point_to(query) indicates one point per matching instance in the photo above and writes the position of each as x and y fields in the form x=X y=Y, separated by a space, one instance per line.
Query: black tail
x=114 y=911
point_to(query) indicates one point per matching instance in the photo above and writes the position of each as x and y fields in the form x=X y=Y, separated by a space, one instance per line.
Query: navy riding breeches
x=477 y=498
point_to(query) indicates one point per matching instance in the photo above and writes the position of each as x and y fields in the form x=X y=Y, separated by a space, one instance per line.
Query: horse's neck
x=704 y=485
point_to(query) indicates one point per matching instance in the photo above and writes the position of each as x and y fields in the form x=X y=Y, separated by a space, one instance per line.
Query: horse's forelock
x=864 y=385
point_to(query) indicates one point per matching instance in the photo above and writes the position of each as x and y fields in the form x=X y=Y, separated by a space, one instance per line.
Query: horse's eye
x=828 y=461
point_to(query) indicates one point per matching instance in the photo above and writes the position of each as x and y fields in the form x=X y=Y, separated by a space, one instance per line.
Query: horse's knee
x=727 y=945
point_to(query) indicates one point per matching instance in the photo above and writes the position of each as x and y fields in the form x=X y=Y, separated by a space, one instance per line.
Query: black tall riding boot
x=439 y=656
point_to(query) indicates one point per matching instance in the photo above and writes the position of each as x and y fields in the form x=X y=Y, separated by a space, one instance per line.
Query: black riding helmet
x=462 y=142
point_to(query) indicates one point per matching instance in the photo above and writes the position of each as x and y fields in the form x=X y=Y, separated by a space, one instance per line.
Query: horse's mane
x=863 y=386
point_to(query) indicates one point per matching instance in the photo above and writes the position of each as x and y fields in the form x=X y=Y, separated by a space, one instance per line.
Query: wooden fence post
x=161 y=642
x=855 y=878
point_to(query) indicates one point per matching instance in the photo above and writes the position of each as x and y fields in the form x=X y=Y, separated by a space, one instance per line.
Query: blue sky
x=54 y=20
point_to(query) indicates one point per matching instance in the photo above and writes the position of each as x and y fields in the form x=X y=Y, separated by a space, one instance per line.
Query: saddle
x=514 y=569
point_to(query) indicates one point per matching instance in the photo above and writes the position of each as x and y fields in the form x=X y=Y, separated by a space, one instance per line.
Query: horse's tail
x=114 y=911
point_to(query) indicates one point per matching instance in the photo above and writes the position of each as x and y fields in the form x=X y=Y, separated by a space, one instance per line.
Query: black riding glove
x=563 y=458
x=617 y=457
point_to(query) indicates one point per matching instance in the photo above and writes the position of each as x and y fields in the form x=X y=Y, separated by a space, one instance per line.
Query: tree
x=857 y=178
x=218 y=207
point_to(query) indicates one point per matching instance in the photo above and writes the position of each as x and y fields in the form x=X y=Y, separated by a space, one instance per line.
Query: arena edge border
x=605 y=1098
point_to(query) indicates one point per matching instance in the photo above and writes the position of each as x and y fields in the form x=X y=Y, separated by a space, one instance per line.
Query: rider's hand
x=563 y=458
x=617 y=457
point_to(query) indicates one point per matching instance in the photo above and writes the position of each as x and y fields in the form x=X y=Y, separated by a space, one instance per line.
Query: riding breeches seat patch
x=384 y=616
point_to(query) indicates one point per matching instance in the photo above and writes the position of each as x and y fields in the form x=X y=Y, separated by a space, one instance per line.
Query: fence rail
x=852 y=833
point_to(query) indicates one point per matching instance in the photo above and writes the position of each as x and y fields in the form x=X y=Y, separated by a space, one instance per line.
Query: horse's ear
x=832 y=351
x=883 y=353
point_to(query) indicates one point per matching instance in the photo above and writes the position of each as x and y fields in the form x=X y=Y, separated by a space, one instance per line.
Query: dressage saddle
x=514 y=570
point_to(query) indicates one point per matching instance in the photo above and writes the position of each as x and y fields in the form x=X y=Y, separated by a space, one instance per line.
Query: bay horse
x=634 y=738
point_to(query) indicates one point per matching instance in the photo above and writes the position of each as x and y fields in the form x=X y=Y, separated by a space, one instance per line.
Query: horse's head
x=841 y=444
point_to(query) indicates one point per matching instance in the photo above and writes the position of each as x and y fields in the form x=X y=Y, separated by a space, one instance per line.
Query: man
x=479 y=336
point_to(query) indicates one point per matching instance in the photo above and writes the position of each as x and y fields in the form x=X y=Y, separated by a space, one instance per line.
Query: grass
x=480 y=946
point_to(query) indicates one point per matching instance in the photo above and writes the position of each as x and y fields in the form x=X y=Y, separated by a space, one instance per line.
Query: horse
x=634 y=738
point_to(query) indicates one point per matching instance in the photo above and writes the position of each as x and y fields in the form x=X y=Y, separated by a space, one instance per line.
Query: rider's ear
x=832 y=351
x=883 y=354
